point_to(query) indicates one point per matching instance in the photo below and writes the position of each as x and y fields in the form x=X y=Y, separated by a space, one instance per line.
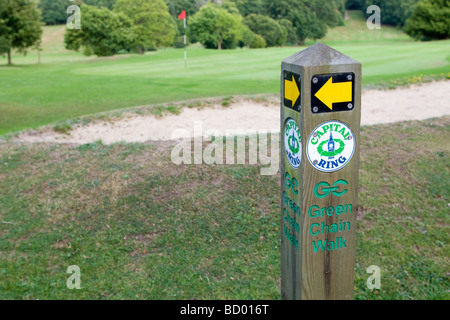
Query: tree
x=268 y=28
x=355 y=4
x=101 y=3
x=430 y=20
x=20 y=26
x=247 y=7
x=299 y=12
x=340 y=5
x=394 y=12
x=214 y=27
x=258 y=42
x=103 y=32
x=153 y=25
x=291 y=33
x=177 y=6
x=328 y=12
x=53 y=11
x=246 y=38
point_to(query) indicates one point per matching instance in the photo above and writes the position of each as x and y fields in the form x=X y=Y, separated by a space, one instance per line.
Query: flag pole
x=183 y=16
x=185 y=44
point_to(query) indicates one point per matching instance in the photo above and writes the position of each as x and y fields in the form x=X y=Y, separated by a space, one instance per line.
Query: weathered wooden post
x=320 y=121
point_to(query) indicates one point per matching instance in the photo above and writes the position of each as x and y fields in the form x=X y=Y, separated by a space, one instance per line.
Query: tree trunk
x=140 y=50
x=9 y=57
x=219 y=46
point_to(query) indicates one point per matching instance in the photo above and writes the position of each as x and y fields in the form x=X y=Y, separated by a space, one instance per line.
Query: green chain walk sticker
x=292 y=143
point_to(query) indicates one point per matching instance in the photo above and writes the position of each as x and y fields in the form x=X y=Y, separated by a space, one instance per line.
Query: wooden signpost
x=320 y=121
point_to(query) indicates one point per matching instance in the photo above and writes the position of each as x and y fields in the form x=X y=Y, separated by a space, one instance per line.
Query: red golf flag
x=182 y=15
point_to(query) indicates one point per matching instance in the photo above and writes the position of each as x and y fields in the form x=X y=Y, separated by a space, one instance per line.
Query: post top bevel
x=319 y=54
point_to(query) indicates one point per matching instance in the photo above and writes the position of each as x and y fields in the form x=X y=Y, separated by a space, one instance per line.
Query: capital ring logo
x=323 y=189
x=292 y=143
x=330 y=146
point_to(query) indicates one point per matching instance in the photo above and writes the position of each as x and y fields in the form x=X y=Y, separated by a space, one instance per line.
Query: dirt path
x=378 y=106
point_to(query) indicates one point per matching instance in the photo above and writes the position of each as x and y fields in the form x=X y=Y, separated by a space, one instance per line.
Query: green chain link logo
x=323 y=189
x=291 y=183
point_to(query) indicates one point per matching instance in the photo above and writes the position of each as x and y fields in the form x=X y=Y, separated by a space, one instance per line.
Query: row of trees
x=54 y=11
x=265 y=24
x=148 y=24
x=224 y=24
x=420 y=19
x=393 y=12
x=133 y=25
x=112 y=26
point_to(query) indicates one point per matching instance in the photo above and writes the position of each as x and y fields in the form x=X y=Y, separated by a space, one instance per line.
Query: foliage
x=301 y=14
x=231 y=7
x=20 y=26
x=247 y=7
x=103 y=31
x=355 y=4
x=328 y=12
x=258 y=42
x=177 y=6
x=153 y=25
x=393 y=12
x=247 y=37
x=179 y=42
x=291 y=33
x=430 y=20
x=54 y=11
x=101 y=3
x=4 y=44
x=215 y=27
x=269 y=29
x=340 y=6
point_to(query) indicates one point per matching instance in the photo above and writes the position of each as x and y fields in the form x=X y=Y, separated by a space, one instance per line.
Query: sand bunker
x=418 y=102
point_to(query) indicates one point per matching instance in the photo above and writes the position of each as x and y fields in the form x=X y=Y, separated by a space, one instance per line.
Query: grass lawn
x=140 y=227
x=68 y=85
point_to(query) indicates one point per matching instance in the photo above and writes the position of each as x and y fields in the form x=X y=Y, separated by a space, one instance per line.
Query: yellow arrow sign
x=335 y=93
x=291 y=90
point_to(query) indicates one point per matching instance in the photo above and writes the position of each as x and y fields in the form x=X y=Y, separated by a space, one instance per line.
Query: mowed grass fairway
x=68 y=85
x=140 y=227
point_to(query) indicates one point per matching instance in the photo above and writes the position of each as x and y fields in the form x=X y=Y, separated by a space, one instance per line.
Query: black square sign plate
x=333 y=92
x=292 y=89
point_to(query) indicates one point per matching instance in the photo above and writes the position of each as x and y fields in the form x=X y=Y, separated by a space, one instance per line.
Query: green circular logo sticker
x=330 y=146
x=292 y=143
